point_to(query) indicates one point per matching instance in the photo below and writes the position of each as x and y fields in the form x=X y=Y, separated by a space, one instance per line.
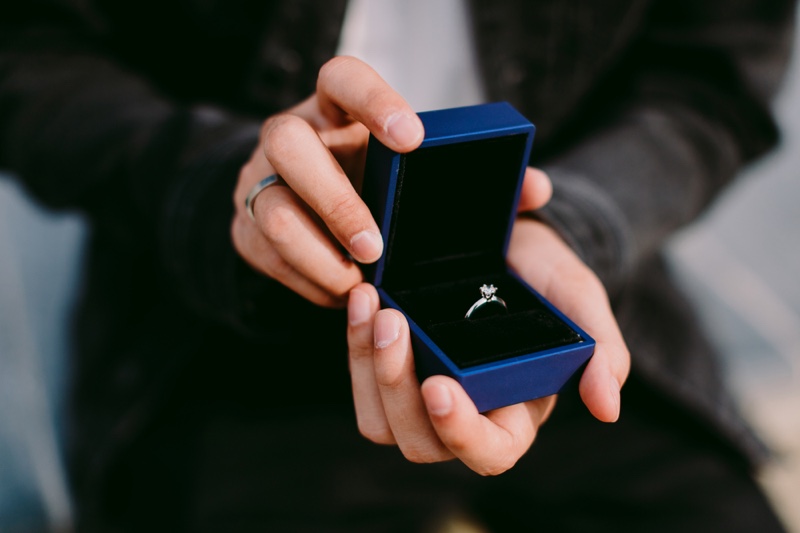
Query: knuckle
x=496 y=467
x=387 y=376
x=247 y=245
x=458 y=444
x=340 y=209
x=376 y=432
x=420 y=453
x=278 y=223
x=282 y=133
x=359 y=350
x=241 y=237
x=329 y=70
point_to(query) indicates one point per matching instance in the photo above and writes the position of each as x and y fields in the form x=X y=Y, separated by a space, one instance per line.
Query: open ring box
x=445 y=212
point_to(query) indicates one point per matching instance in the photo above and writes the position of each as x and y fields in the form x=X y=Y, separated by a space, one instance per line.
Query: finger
x=604 y=376
x=490 y=444
x=536 y=190
x=344 y=140
x=576 y=291
x=300 y=242
x=254 y=248
x=348 y=87
x=256 y=169
x=300 y=157
x=361 y=309
x=347 y=144
x=399 y=390
x=349 y=147
x=608 y=368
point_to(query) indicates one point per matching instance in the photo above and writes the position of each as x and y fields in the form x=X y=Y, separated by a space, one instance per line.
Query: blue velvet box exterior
x=498 y=382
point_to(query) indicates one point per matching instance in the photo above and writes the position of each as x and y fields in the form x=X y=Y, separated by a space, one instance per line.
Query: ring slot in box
x=446 y=211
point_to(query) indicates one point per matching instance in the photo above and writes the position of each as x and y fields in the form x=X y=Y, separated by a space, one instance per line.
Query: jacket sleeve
x=82 y=130
x=685 y=108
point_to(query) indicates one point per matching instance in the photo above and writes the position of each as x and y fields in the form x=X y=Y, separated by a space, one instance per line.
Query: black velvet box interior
x=450 y=225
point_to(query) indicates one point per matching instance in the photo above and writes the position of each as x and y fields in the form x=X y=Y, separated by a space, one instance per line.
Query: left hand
x=437 y=421
x=309 y=233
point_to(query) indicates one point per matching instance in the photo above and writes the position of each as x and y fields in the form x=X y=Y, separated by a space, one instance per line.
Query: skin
x=305 y=227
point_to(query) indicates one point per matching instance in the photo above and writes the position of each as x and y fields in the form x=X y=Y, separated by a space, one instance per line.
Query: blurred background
x=741 y=263
x=39 y=275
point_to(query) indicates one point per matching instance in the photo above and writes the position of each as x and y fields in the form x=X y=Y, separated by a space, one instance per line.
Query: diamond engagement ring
x=487 y=298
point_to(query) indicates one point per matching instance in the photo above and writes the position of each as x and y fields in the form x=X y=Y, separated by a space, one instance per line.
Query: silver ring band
x=270 y=180
x=487 y=298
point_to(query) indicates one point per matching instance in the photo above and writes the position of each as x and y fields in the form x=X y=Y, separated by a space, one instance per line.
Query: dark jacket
x=140 y=114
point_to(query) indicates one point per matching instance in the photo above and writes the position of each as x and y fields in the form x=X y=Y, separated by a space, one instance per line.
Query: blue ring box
x=445 y=212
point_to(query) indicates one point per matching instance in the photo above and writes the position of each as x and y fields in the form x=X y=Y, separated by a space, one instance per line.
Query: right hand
x=302 y=231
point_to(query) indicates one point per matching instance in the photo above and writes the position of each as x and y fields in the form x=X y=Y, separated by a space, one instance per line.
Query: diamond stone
x=487 y=291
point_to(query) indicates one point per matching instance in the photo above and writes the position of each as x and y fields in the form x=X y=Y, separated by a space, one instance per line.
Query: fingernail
x=439 y=400
x=404 y=129
x=387 y=329
x=366 y=246
x=614 y=391
x=358 y=307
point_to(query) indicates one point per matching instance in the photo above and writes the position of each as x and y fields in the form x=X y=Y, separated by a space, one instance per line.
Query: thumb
x=536 y=190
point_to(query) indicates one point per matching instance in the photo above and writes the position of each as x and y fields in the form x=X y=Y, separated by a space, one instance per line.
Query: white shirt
x=422 y=48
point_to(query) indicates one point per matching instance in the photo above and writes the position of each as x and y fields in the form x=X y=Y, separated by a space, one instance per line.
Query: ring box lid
x=449 y=206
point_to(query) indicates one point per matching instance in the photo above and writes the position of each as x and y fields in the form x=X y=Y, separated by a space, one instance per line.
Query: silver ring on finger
x=269 y=181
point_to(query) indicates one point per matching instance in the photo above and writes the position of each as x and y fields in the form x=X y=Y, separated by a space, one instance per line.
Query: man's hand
x=547 y=264
x=318 y=147
x=437 y=421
